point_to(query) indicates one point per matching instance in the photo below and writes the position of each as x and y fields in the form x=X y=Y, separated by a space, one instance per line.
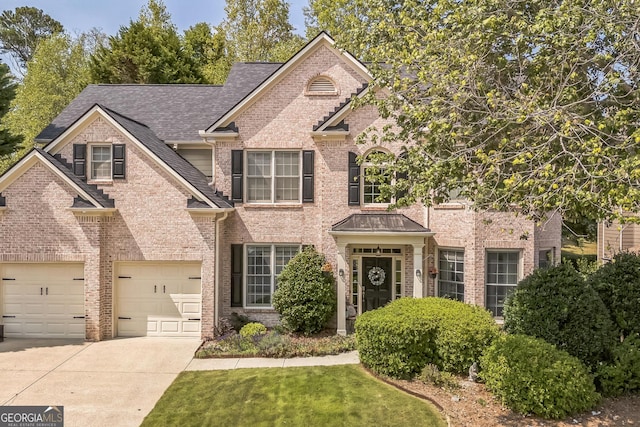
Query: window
x=451 y=274
x=374 y=179
x=502 y=278
x=273 y=176
x=545 y=258
x=264 y=264
x=101 y=162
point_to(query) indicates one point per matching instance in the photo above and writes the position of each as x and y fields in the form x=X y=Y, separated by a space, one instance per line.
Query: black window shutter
x=119 y=161
x=236 y=275
x=80 y=160
x=401 y=176
x=307 y=176
x=236 y=175
x=354 y=180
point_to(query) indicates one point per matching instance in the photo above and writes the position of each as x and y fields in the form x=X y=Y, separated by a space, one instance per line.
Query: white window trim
x=519 y=274
x=363 y=181
x=272 y=177
x=245 y=284
x=437 y=265
x=90 y=162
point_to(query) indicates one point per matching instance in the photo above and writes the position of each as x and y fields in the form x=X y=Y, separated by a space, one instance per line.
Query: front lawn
x=311 y=396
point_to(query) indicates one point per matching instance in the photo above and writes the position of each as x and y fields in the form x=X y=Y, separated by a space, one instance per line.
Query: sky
x=78 y=16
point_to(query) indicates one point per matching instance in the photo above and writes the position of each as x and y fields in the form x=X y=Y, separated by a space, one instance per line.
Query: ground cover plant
x=316 y=396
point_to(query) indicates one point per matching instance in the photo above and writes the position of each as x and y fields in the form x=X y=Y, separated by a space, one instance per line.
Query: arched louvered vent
x=321 y=85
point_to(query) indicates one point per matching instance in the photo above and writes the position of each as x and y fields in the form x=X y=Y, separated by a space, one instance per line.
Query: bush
x=305 y=297
x=530 y=375
x=622 y=375
x=253 y=328
x=618 y=284
x=400 y=339
x=432 y=375
x=556 y=305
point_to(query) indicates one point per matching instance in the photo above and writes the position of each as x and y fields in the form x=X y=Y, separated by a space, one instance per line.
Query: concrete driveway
x=107 y=383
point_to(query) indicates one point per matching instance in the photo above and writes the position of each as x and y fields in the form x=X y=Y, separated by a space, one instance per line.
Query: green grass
x=316 y=396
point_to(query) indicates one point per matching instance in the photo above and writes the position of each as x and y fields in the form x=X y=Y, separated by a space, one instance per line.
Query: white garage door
x=158 y=299
x=43 y=300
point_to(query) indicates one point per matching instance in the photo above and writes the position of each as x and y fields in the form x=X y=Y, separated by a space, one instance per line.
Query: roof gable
x=323 y=39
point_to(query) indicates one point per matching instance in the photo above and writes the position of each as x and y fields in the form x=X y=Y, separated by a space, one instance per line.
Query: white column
x=418 y=278
x=342 y=303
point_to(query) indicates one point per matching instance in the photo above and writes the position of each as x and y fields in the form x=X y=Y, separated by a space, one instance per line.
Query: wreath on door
x=376 y=276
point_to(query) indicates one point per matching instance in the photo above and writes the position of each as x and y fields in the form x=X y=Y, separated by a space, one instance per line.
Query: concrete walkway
x=350 y=358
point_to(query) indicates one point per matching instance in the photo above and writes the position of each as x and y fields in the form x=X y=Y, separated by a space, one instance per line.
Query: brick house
x=615 y=237
x=158 y=209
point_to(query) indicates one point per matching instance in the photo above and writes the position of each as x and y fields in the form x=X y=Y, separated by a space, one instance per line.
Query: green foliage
x=556 y=305
x=401 y=338
x=252 y=329
x=238 y=321
x=305 y=297
x=8 y=142
x=210 y=52
x=531 y=376
x=259 y=30
x=515 y=113
x=622 y=375
x=22 y=30
x=618 y=284
x=149 y=50
x=430 y=374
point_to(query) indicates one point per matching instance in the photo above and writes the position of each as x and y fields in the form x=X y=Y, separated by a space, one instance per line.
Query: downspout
x=217 y=299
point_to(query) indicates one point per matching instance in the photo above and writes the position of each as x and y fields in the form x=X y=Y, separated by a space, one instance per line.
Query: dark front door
x=376 y=278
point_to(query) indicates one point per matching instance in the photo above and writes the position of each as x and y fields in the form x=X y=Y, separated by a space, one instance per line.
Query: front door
x=376 y=279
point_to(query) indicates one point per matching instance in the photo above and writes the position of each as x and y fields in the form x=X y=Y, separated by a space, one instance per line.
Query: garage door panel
x=43 y=300
x=158 y=293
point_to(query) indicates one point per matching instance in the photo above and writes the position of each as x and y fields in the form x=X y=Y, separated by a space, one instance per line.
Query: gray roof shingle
x=379 y=223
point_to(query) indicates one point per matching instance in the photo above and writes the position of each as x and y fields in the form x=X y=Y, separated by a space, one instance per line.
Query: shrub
x=556 y=305
x=618 y=284
x=253 y=328
x=305 y=297
x=238 y=321
x=530 y=375
x=622 y=375
x=399 y=339
x=432 y=375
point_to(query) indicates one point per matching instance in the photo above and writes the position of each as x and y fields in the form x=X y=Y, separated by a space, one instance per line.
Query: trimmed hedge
x=400 y=339
x=557 y=305
x=618 y=284
x=253 y=328
x=305 y=298
x=623 y=374
x=531 y=376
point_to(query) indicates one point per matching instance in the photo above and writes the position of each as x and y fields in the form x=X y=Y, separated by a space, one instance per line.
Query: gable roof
x=89 y=194
x=174 y=112
x=321 y=39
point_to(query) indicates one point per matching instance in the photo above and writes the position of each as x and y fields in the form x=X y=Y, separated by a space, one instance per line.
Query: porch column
x=418 y=278
x=342 y=304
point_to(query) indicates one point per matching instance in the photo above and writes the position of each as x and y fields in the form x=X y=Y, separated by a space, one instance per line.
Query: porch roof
x=384 y=223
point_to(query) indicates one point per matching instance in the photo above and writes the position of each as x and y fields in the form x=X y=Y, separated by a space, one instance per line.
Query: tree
x=23 y=29
x=56 y=74
x=8 y=142
x=149 y=50
x=210 y=52
x=259 y=30
x=532 y=105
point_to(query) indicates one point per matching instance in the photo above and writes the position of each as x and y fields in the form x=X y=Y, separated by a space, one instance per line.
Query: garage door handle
x=8 y=317
x=194 y=318
x=164 y=289
x=124 y=318
x=155 y=289
x=78 y=317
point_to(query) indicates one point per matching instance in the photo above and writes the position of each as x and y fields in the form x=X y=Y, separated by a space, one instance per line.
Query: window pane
x=287 y=176
x=259 y=164
x=101 y=162
x=259 y=276
x=259 y=189
x=502 y=279
x=451 y=275
x=371 y=189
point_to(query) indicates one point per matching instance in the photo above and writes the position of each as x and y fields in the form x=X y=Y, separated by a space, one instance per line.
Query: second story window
x=273 y=176
x=101 y=162
x=375 y=177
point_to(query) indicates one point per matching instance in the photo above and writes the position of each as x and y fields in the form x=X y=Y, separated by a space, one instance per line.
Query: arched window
x=321 y=85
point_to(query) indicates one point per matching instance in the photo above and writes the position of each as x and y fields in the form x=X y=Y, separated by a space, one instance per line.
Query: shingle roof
x=343 y=104
x=173 y=112
x=91 y=189
x=379 y=223
x=173 y=160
